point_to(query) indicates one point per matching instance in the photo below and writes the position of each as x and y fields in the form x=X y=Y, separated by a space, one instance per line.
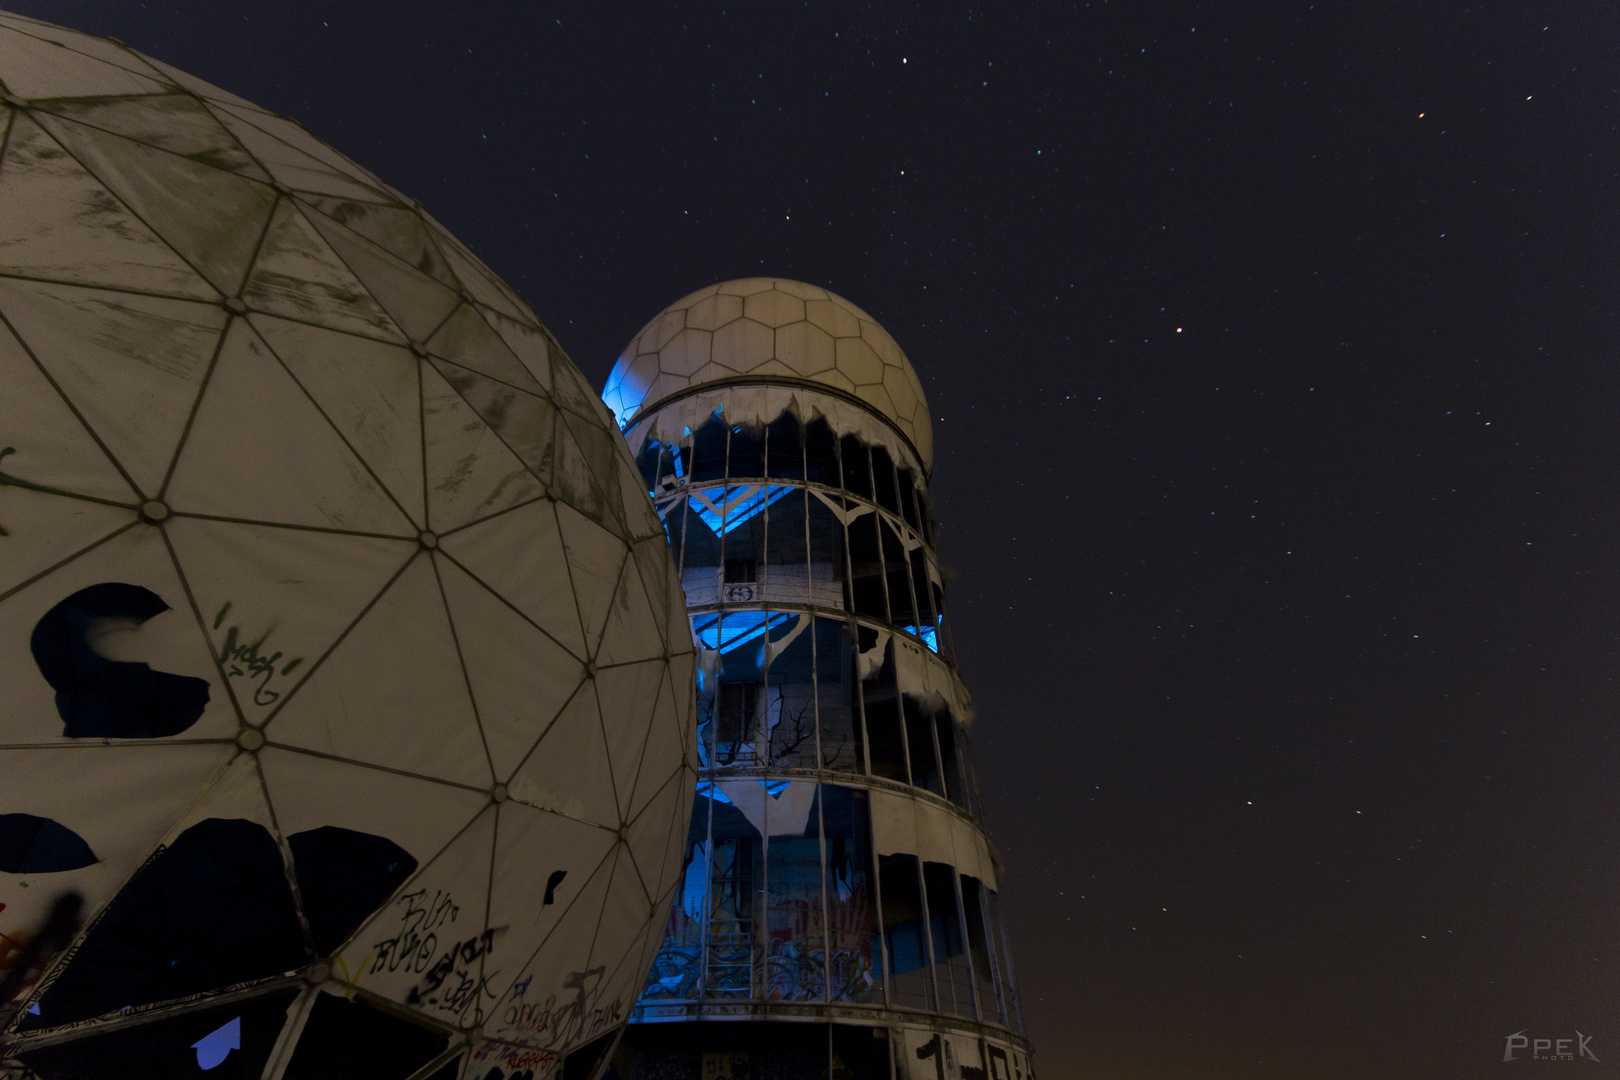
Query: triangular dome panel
x=309 y=792
x=205 y=90
x=448 y=902
x=626 y=908
x=570 y=390
x=528 y=342
x=657 y=834
x=131 y=365
x=682 y=680
x=34 y=67
x=415 y=301
x=466 y=339
x=297 y=275
x=640 y=519
x=393 y=228
x=471 y=473
x=393 y=692
x=475 y=280
x=177 y=123
x=558 y=969
x=50 y=446
x=46 y=529
x=652 y=557
x=666 y=745
x=105 y=50
x=569 y=772
x=291 y=168
x=595 y=559
x=574 y=484
x=627 y=700
x=287 y=130
x=276 y=600
x=632 y=630
x=62 y=224
x=211 y=217
x=523 y=421
x=368 y=390
x=237 y=792
x=542 y=863
x=520 y=677
x=259 y=450
x=521 y=558
x=679 y=632
x=603 y=451
x=625 y=978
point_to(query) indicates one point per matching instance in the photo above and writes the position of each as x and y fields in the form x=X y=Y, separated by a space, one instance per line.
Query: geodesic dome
x=347 y=674
x=775 y=328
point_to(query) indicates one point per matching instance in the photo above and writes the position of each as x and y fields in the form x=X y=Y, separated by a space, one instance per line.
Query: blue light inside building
x=929 y=635
x=735 y=504
x=737 y=628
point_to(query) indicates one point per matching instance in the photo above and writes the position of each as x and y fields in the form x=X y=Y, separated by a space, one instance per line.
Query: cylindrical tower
x=839 y=915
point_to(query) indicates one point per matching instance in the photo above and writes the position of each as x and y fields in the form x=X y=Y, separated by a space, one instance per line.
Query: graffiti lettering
x=414 y=946
x=245 y=660
x=513 y=1057
x=568 y=1022
x=466 y=987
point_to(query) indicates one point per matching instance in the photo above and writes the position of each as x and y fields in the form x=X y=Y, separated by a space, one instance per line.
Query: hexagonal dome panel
x=770 y=327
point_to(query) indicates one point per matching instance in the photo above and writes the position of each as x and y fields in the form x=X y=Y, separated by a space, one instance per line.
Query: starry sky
x=1271 y=349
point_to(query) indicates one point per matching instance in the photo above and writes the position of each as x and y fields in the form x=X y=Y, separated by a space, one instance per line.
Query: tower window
x=735 y=706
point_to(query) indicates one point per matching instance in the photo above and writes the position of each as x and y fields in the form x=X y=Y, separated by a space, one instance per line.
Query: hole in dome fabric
x=210 y=910
x=229 y=1042
x=344 y=1039
x=99 y=698
x=343 y=876
x=37 y=845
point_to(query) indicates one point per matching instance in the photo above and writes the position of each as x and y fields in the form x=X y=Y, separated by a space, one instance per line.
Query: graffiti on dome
x=249 y=660
x=454 y=976
x=512 y=1061
x=563 y=1019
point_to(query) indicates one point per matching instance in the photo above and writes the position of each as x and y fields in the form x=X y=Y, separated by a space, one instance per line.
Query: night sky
x=1272 y=356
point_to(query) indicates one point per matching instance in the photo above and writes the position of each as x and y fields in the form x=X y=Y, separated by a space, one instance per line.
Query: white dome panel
x=770 y=327
x=332 y=681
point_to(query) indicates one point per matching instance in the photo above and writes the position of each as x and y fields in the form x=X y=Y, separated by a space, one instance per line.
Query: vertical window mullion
x=967 y=946
x=928 y=933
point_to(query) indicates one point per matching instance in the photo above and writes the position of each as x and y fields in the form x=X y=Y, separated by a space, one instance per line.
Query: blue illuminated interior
x=928 y=634
x=736 y=628
x=773 y=788
x=723 y=509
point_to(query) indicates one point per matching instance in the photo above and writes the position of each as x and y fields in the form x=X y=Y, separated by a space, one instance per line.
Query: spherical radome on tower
x=347 y=676
x=776 y=329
